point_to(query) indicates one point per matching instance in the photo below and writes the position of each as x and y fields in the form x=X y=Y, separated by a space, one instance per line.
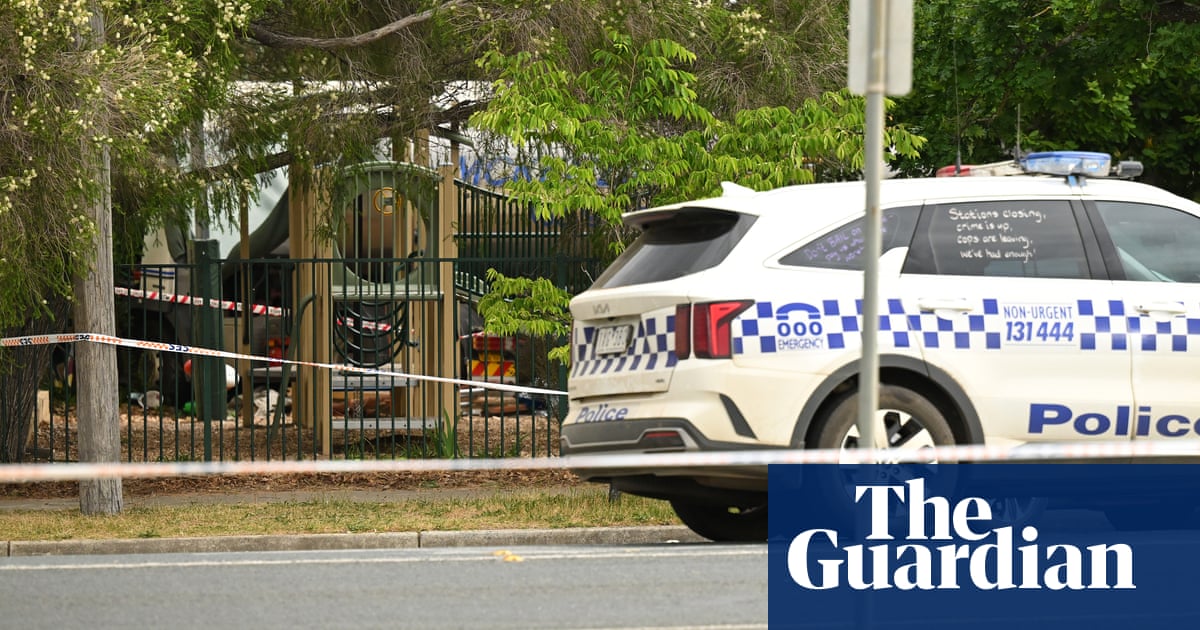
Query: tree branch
x=226 y=171
x=267 y=37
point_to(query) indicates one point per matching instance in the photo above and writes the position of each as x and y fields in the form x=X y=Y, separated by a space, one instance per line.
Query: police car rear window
x=842 y=248
x=676 y=244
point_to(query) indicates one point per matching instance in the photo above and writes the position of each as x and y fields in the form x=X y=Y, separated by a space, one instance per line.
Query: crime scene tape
x=227 y=305
x=41 y=340
x=363 y=325
x=24 y=473
x=1116 y=451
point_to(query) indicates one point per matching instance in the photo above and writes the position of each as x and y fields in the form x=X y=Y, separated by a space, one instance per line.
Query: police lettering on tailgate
x=601 y=413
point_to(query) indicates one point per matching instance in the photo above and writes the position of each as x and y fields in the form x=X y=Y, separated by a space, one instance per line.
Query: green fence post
x=561 y=272
x=208 y=373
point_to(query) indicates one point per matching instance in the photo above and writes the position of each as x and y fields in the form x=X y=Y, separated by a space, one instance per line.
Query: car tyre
x=721 y=523
x=907 y=419
x=906 y=415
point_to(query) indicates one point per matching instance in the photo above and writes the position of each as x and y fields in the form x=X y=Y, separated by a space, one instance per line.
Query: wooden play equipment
x=372 y=298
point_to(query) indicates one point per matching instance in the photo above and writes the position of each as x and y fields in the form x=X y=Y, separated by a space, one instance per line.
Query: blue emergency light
x=1078 y=163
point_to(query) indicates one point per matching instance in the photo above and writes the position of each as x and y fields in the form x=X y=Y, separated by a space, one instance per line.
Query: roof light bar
x=1062 y=163
x=1007 y=167
x=1082 y=163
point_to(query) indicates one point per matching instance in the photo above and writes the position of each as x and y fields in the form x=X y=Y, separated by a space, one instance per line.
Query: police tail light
x=706 y=329
x=661 y=439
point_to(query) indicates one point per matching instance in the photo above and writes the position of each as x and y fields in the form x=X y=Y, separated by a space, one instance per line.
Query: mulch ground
x=307 y=482
x=165 y=436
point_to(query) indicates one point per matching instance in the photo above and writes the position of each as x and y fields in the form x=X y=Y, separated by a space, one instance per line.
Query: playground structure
x=379 y=294
x=391 y=287
x=368 y=310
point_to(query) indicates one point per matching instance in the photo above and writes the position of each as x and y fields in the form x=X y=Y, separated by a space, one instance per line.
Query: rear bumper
x=660 y=435
x=631 y=435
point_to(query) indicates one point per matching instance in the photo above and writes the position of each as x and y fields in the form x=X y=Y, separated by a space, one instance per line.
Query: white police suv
x=1060 y=304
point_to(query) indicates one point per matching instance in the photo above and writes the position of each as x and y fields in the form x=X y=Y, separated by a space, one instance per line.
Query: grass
x=579 y=507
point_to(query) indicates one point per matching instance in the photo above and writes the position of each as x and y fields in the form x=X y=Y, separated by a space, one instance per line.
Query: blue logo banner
x=1013 y=546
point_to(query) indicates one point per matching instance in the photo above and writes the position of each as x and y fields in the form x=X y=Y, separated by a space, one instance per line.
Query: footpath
x=311 y=542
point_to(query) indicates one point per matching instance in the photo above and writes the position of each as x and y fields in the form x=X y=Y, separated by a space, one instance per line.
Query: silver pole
x=868 y=384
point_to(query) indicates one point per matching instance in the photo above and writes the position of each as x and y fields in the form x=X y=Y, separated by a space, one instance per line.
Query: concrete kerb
x=384 y=540
x=568 y=536
x=304 y=542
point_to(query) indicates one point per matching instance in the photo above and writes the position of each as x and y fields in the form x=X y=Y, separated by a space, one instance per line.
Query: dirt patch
x=499 y=480
x=164 y=435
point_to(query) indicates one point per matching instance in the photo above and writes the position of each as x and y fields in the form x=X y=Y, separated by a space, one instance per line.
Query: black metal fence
x=386 y=332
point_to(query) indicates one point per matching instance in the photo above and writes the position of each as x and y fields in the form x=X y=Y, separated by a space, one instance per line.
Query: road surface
x=671 y=586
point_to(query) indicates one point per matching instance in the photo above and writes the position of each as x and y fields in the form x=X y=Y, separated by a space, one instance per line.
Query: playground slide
x=268 y=238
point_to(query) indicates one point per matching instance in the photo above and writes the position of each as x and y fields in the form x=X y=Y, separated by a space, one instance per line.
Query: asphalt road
x=667 y=586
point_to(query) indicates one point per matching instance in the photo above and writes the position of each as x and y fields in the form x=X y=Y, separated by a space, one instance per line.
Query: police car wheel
x=723 y=524
x=905 y=420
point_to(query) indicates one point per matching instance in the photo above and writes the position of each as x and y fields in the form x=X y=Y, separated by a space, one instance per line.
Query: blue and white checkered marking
x=1110 y=326
x=981 y=330
x=763 y=328
x=1103 y=325
x=1098 y=325
x=652 y=348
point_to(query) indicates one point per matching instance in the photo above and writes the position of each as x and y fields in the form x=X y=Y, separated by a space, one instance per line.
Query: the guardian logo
x=948 y=546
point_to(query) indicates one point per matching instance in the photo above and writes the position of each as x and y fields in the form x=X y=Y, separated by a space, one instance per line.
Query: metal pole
x=208 y=373
x=868 y=385
x=205 y=284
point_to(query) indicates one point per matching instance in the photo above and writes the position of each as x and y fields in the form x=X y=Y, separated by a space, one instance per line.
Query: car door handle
x=1165 y=308
x=957 y=305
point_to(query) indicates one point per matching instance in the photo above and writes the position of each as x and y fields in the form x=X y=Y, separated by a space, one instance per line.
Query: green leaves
x=65 y=93
x=1118 y=77
x=630 y=132
x=595 y=140
x=524 y=306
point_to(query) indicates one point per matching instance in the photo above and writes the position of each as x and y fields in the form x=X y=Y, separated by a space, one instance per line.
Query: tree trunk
x=21 y=368
x=96 y=378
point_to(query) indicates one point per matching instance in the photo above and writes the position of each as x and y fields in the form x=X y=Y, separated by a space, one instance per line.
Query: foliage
x=595 y=141
x=58 y=96
x=819 y=140
x=755 y=54
x=527 y=306
x=443 y=440
x=629 y=132
x=1106 y=76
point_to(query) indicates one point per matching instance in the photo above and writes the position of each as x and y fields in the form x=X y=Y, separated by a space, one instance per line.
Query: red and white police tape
x=41 y=340
x=23 y=473
x=227 y=305
x=1113 y=451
